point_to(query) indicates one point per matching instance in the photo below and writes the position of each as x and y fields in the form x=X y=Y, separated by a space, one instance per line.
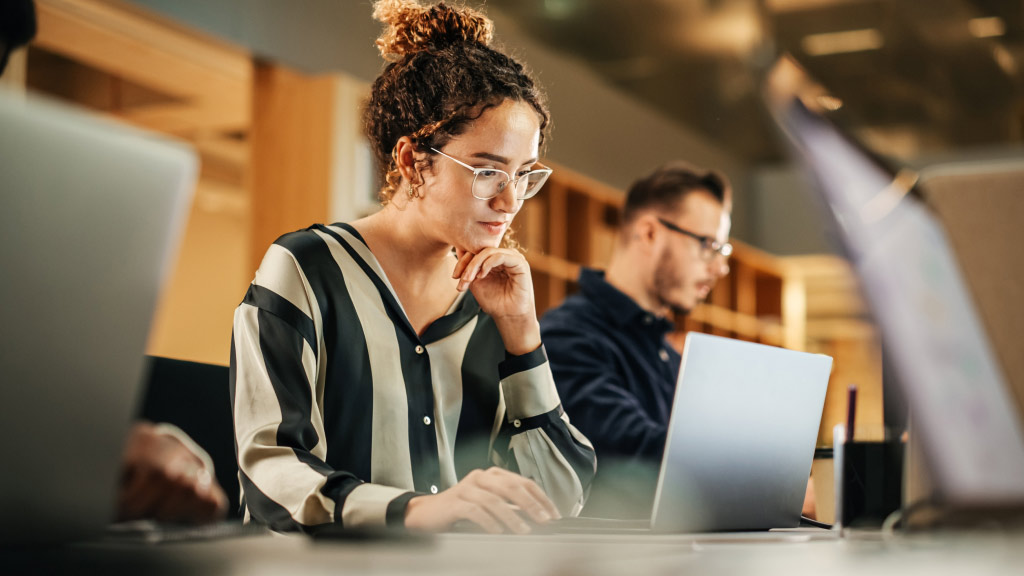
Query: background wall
x=598 y=130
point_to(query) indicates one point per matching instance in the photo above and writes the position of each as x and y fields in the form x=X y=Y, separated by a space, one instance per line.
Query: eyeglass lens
x=490 y=183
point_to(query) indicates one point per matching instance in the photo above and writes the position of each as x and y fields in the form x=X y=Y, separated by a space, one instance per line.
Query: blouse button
x=419 y=349
x=426 y=420
x=433 y=489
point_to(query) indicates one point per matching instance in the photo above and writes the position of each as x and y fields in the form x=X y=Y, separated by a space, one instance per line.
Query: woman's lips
x=495 y=228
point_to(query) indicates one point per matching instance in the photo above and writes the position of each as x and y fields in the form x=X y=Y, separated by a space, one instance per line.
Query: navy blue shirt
x=616 y=375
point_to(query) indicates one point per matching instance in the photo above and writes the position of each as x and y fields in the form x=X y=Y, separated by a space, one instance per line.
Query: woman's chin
x=476 y=245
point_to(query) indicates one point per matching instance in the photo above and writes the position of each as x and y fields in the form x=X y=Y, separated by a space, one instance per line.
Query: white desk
x=931 y=555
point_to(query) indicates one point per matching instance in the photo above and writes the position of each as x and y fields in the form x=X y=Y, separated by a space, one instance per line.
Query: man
x=165 y=475
x=615 y=371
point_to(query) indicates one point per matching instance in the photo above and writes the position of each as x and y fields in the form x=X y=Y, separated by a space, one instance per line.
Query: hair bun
x=412 y=27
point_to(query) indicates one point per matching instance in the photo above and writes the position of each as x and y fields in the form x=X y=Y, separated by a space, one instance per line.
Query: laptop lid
x=741 y=436
x=931 y=332
x=91 y=214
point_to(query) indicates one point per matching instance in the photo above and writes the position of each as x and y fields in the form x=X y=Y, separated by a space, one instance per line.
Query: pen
x=851 y=411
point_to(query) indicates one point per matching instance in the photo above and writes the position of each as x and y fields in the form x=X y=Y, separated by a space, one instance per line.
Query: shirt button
x=648 y=319
x=517 y=423
x=426 y=420
x=433 y=489
x=419 y=349
x=664 y=354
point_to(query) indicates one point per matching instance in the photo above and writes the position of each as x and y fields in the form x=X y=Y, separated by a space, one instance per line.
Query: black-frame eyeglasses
x=708 y=245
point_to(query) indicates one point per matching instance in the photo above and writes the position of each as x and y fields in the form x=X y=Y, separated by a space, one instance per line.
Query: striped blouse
x=343 y=413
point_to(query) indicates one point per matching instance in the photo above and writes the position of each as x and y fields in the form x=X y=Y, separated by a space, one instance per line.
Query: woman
x=381 y=368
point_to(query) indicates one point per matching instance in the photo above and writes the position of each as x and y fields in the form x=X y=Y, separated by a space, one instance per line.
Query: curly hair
x=441 y=76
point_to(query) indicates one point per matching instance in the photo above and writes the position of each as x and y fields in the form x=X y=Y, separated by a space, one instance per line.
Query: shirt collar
x=464 y=309
x=622 y=309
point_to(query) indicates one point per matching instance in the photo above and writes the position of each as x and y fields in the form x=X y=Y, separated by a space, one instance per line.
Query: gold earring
x=414 y=191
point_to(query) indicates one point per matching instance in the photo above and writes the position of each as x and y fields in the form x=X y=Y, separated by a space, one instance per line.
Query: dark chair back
x=195 y=397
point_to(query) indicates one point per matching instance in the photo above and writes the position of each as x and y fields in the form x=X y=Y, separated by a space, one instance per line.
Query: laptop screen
x=91 y=213
x=957 y=393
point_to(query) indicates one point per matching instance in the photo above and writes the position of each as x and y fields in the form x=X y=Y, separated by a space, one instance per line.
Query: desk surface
x=932 y=555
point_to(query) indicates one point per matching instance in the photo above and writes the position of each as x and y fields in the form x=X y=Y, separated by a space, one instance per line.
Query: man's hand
x=810 y=508
x=163 y=479
x=491 y=499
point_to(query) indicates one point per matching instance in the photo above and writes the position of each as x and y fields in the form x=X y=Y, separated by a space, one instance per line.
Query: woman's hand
x=500 y=280
x=491 y=499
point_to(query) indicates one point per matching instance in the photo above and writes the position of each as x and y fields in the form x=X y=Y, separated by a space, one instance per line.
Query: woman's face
x=505 y=137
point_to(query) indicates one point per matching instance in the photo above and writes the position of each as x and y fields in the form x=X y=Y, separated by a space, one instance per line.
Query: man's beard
x=663 y=284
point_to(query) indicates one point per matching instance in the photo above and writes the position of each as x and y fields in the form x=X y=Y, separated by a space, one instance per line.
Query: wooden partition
x=292 y=143
x=265 y=136
x=982 y=207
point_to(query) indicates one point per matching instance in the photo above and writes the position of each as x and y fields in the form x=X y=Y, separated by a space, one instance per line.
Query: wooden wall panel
x=291 y=150
x=210 y=79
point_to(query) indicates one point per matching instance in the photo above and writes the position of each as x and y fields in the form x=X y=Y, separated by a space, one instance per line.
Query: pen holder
x=869 y=480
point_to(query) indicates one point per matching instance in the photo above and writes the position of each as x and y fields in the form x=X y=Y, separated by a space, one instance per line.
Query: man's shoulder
x=577 y=324
x=575 y=312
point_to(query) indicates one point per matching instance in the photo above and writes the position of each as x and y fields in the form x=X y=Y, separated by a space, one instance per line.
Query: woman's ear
x=405 y=159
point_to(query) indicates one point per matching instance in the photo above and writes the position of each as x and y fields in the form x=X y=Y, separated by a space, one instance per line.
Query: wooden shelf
x=836 y=322
x=573 y=223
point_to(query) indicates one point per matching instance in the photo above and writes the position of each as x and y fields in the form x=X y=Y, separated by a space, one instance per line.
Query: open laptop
x=91 y=214
x=740 y=441
x=943 y=362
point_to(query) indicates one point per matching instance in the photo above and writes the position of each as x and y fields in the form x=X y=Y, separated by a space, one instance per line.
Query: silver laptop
x=91 y=213
x=741 y=437
x=740 y=441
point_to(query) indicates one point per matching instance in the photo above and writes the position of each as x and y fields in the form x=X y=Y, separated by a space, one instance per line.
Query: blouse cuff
x=527 y=385
x=522 y=363
x=396 y=509
x=371 y=505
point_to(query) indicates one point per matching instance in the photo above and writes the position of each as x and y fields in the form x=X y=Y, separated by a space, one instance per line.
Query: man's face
x=686 y=271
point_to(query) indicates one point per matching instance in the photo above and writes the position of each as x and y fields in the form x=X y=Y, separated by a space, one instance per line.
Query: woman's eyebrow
x=499 y=159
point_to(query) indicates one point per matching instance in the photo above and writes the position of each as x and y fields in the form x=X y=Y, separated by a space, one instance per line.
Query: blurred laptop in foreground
x=961 y=409
x=92 y=214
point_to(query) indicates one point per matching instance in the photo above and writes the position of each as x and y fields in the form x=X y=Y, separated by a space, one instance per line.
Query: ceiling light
x=560 y=9
x=842 y=42
x=829 y=102
x=986 y=27
x=1005 y=60
x=734 y=29
x=802 y=5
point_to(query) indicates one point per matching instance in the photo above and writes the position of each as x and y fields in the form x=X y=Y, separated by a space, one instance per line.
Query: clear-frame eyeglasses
x=709 y=247
x=490 y=182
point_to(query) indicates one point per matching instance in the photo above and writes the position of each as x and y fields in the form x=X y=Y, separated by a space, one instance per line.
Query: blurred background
x=269 y=93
